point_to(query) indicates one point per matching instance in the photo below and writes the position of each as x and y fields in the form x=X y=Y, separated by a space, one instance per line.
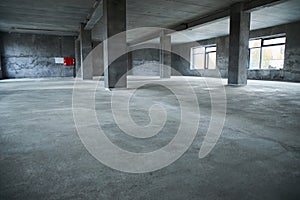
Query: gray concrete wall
x=291 y=71
x=32 y=56
x=145 y=63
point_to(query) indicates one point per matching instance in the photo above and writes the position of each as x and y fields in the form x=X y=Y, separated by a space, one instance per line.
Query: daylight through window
x=267 y=53
x=203 y=57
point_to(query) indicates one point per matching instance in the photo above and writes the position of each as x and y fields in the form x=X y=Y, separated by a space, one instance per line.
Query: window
x=267 y=53
x=204 y=57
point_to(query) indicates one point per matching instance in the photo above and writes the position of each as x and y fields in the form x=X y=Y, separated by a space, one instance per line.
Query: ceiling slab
x=63 y=17
x=55 y=16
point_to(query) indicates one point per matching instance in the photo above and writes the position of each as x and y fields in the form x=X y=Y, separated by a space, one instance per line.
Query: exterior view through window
x=203 y=57
x=267 y=53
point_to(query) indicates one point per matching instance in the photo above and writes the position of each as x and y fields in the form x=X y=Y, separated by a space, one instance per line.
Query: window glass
x=211 y=49
x=273 y=57
x=199 y=61
x=211 y=60
x=275 y=41
x=197 y=58
x=198 y=50
x=254 y=62
x=255 y=43
x=203 y=57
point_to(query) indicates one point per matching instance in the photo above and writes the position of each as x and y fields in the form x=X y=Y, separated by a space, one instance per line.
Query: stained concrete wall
x=291 y=71
x=32 y=56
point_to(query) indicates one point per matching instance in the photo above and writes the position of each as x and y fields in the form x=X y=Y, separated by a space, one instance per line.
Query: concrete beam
x=216 y=15
x=148 y=37
x=251 y=6
x=40 y=31
x=96 y=15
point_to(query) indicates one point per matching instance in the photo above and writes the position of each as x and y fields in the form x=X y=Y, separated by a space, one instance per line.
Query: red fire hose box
x=69 y=61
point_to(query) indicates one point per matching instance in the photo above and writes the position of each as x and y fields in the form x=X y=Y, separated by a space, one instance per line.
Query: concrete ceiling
x=286 y=12
x=63 y=17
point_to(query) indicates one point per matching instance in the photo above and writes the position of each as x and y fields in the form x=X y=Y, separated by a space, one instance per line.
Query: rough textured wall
x=147 y=61
x=32 y=56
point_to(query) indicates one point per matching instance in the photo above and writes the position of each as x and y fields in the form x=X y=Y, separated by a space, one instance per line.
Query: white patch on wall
x=59 y=60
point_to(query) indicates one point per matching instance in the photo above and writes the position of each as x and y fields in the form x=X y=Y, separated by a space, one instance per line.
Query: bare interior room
x=149 y=100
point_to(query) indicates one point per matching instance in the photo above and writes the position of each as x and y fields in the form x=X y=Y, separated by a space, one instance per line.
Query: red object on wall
x=69 y=61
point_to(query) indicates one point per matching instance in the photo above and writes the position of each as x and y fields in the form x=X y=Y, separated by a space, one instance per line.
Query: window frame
x=261 y=49
x=205 y=54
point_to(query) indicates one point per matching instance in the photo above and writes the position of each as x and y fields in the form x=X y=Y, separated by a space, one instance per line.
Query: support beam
x=253 y=5
x=85 y=49
x=115 y=76
x=165 y=56
x=238 y=45
x=203 y=20
x=96 y=15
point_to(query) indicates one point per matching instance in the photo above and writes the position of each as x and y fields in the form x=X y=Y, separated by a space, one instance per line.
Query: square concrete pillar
x=1 y=67
x=165 y=56
x=115 y=76
x=238 y=45
x=130 y=62
x=85 y=49
x=77 y=58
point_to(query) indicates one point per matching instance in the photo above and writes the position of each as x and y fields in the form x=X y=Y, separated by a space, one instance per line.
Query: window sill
x=203 y=69
x=265 y=69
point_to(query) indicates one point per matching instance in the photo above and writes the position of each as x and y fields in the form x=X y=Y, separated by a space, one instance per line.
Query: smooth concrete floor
x=42 y=156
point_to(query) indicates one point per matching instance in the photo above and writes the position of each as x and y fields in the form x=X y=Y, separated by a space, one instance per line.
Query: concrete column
x=165 y=56
x=1 y=75
x=238 y=45
x=85 y=49
x=97 y=59
x=77 y=57
x=130 y=61
x=1 y=47
x=115 y=76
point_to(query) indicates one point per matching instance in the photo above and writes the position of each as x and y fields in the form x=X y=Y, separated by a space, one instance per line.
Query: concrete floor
x=42 y=157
